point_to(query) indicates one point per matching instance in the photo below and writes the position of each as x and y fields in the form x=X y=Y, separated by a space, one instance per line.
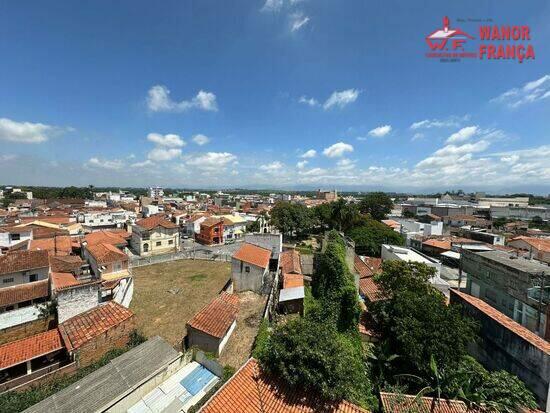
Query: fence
x=183 y=255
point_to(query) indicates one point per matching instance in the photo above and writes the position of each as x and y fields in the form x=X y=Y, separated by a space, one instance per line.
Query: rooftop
x=252 y=254
x=251 y=390
x=23 y=260
x=154 y=222
x=23 y=292
x=82 y=328
x=216 y=318
x=370 y=290
x=398 y=403
x=289 y=261
x=292 y=293
x=512 y=261
x=102 y=388
x=293 y=280
x=541 y=244
x=114 y=237
x=60 y=245
x=367 y=266
x=17 y=352
x=106 y=253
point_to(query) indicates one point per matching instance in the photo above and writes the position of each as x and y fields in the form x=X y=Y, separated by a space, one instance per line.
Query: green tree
x=506 y=393
x=370 y=235
x=377 y=204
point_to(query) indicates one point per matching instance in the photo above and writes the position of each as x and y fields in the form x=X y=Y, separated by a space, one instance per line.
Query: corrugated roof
x=102 y=388
x=251 y=390
x=253 y=254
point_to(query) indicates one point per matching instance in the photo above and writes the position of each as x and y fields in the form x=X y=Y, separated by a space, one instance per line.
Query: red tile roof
x=289 y=261
x=216 y=318
x=251 y=390
x=106 y=253
x=154 y=222
x=540 y=244
x=370 y=290
x=22 y=261
x=398 y=403
x=438 y=243
x=24 y=292
x=65 y=263
x=253 y=254
x=367 y=266
x=293 y=280
x=17 y=352
x=211 y=221
x=62 y=280
x=504 y=320
x=84 y=327
x=61 y=245
x=113 y=237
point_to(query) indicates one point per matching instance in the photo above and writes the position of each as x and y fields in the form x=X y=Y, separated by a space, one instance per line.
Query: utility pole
x=460 y=267
x=541 y=292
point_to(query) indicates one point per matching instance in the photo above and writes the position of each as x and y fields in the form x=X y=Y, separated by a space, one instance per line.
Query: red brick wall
x=116 y=337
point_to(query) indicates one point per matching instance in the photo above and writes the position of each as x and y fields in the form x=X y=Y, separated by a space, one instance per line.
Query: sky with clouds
x=269 y=94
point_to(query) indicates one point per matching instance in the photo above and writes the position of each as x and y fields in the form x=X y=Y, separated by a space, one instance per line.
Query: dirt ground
x=167 y=295
x=239 y=346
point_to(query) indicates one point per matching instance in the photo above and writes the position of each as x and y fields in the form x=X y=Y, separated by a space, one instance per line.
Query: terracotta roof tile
x=251 y=390
x=437 y=243
x=367 y=266
x=64 y=280
x=106 y=253
x=22 y=261
x=65 y=263
x=398 y=403
x=154 y=222
x=289 y=261
x=84 y=327
x=253 y=254
x=61 y=245
x=28 y=348
x=293 y=280
x=504 y=320
x=24 y=292
x=216 y=318
x=541 y=244
x=113 y=237
x=370 y=290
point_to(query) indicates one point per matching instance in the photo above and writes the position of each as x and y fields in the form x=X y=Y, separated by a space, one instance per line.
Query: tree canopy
x=377 y=204
x=371 y=234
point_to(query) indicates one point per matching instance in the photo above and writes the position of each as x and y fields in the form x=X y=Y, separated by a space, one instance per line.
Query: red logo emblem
x=446 y=37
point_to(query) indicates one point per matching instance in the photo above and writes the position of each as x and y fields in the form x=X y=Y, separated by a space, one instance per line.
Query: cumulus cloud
x=169 y=141
x=113 y=164
x=297 y=21
x=273 y=5
x=272 y=167
x=337 y=150
x=28 y=132
x=380 y=131
x=417 y=136
x=143 y=164
x=201 y=139
x=162 y=154
x=451 y=121
x=212 y=161
x=159 y=100
x=312 y=153
x=341 y=99
x=345 y=164
x=463 y=134
x=301 y=164
x=530 y=92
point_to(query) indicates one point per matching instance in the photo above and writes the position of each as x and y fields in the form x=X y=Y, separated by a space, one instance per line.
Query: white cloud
x=312 y=153
x=380 y=131
x=451 y=121
x=341 y=99
x=142 y=164
x=308 y=101
x=337 y=150
x=169 y=141
x=158 y=100
x=161 y=154
x=27 y=132
x=201 y=139
x=272 y=167
x=273 y=5
x=463 y=134
x=113 y=164
x=297 y=21
x=530 y=92
x=301 y=164
x=417 y=136
x=212 y=161
x=345 y=164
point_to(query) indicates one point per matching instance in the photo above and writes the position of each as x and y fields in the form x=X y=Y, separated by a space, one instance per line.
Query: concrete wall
x=247 y=281
x=203 y=341
x=27 y=329
x=158 y=235
x=500 y=348
x=76 y=300
x=23 y=277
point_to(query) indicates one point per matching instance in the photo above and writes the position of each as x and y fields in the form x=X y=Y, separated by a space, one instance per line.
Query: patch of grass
x=198 y=277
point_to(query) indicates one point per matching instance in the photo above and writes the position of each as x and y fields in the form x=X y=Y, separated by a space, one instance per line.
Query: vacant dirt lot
x=239 y=346
x=167 y=295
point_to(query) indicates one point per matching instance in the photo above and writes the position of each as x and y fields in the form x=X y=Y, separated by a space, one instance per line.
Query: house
x=507 y=345
x=12 y=236
x=399 y=403
x=511 y=284
x=250 y=268
x=252 y=390
x=463 y=220
x=212 y=326
x=24 y=281
x=57 y=245
x=538 y=248
x=118 y=238
x=155 y=235
x=106 y=260
x=30 y=358
x=234 y=227
x=116 y=218
x=211 y=231
x=292 y=293
x=88 y=336
x=193 y=224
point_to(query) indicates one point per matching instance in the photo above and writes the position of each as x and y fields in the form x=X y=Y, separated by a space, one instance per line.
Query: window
x=247 y=269
x=15 y=237
x=170 y=242
x=159 y=243
x=33 y=277
x=7 y=280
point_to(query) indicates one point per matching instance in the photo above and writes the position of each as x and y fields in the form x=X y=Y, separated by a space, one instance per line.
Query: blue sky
x=277 y=94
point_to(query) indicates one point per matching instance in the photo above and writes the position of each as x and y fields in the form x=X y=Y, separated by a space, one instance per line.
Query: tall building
x=156 y=192
x=327 y=195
